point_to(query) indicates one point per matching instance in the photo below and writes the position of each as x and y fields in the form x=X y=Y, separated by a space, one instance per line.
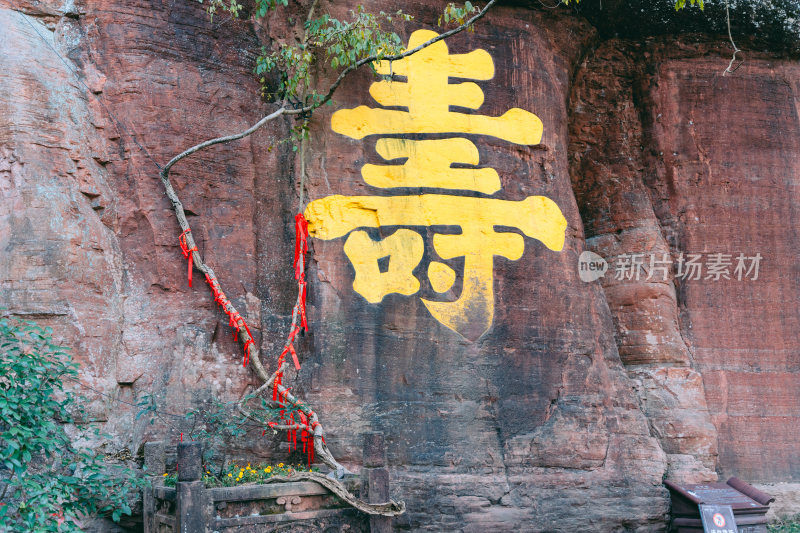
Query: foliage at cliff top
x=342 y=44
x=771 y=25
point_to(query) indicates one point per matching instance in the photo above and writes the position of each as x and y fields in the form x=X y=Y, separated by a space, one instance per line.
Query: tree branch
x=391 y=508
x=313 y=424
x=228 y=138
x=730 y=37
x=375 y=57
x=283 y=110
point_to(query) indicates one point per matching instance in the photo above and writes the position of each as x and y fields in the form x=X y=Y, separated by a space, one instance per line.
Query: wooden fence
x=299 y=506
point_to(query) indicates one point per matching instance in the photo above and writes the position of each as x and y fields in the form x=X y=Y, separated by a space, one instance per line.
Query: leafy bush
x=234 y=474
x=785 y=525
x=47 y=483
x=218 y=426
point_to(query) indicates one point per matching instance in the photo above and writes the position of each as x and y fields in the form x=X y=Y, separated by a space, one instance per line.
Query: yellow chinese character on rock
x=486 y=224
x=404 y=249
x=471 y=314
x=428 y=165
x=428 y=96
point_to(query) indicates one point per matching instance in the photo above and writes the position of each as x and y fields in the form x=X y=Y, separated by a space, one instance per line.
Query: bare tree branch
x=283 y=110
x=730 y=37
x=390 y=508
x=313 y=425
x=228 y=138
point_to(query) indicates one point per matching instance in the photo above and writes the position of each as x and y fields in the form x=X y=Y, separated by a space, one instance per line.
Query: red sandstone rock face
x=538 y=413
x=568 y=411
x=607 y=164
x=669 y=156
x=728 y=183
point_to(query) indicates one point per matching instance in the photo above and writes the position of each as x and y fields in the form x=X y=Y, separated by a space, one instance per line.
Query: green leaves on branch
x=233 y=7
x=219 y=426
x=679 y=4
x=457 y=15
x=47 y=483
x=341 y=43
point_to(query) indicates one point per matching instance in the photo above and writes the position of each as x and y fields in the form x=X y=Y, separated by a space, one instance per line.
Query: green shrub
x=785 y=525
x=234 y=474
x=47 y=482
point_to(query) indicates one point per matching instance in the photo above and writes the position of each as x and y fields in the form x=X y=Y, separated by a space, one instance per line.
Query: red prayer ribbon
x=237 y=323
x=187 y=252
x=235 y=319
x=294 y=357
x=301 y=287
x=300 y=244
x=247 y=352
x=300 y=250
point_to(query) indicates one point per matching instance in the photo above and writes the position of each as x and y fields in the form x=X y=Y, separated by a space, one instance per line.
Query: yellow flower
x=268 y=469
x=280 y=465
x=265 y=470
x=230 y=475
x=165 y=474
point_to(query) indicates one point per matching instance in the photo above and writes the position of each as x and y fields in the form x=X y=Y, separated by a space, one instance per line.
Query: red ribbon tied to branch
x=300 y=250
x=237 y=323
x=187 y=252
x=300 y=244
x=301 y=287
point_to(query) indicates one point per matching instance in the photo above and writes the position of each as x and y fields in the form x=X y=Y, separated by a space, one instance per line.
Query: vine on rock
x=347 y=45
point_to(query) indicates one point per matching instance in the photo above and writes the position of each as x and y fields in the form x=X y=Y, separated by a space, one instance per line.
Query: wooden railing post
x=154 y=467
x=190 y=491
x=375 y=479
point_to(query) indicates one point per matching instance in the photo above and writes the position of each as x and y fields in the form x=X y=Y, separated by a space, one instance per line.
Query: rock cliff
x=578 y=398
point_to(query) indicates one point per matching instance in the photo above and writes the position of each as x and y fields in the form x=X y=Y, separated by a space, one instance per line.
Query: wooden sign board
x=718 y=519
